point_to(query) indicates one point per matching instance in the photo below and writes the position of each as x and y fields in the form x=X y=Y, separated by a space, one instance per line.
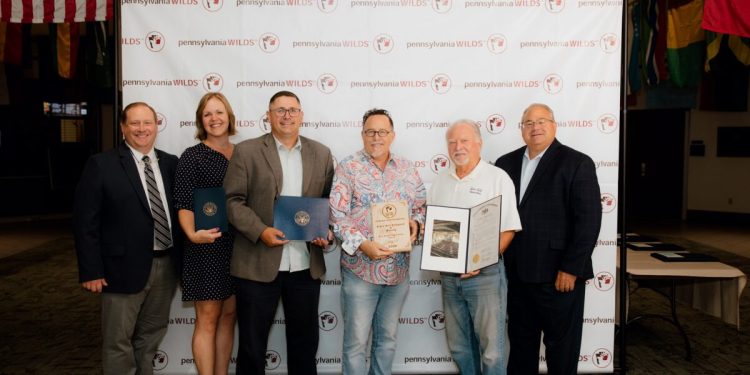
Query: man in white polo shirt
x=475 y=303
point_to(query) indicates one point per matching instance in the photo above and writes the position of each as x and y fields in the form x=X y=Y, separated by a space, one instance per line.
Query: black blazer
x=561 y=214
x=114 y=230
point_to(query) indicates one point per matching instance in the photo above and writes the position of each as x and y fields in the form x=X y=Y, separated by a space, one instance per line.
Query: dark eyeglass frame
x=370 y=133
x=281 y=112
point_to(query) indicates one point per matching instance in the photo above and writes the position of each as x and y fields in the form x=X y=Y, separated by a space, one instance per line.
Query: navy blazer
x=561 y=214
x=114 y=230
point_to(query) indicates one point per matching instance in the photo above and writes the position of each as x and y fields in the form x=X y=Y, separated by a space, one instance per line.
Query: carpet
x=656 y=347
x=49 y=325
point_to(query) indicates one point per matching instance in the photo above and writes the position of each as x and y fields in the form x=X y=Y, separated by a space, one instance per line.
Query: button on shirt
x=138 y=156
x=483 y=183
x=357 y=184
x=528 y=167
x=294 y=256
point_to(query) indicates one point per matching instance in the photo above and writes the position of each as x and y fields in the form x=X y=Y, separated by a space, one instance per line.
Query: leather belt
x=161 y=253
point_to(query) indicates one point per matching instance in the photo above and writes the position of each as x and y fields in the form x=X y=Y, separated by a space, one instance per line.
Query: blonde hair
x=200 y=129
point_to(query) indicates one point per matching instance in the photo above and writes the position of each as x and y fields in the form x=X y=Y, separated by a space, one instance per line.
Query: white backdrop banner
x=429 y=62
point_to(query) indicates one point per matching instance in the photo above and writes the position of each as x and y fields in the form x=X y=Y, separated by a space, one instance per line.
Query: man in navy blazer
x=119 y=255
x=550 y=260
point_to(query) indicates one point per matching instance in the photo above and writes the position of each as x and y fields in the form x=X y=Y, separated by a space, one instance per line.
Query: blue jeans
x=364 y=306
x=475 y=320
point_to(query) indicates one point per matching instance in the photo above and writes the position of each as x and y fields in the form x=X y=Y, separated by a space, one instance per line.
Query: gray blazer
x=253 y=182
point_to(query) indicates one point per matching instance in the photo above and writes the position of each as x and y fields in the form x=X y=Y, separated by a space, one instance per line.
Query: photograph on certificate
x=446 y=235
x=445 y=238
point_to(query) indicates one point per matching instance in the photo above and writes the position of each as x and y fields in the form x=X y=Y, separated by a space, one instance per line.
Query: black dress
x=205 y=274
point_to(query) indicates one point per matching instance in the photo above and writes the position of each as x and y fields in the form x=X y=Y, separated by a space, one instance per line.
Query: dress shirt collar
x=139 y=156
x=526 y=153
x=281 y=147
x=365 y=156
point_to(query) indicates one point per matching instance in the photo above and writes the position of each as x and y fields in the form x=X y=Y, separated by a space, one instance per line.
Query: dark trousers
x=256 y=308
x=534 y=308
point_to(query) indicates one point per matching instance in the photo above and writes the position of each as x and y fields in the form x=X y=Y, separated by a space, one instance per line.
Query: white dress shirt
x=138 y=157
x=528 y=167
x=295 y=256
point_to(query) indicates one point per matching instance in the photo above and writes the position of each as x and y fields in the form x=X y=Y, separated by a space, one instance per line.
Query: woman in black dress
x=205 y=276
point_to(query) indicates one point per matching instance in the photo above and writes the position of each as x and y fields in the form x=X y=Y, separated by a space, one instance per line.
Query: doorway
x=655 y=164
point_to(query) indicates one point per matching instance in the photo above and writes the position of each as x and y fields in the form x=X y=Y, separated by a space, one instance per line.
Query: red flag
x=10 y=43
x=727 y=17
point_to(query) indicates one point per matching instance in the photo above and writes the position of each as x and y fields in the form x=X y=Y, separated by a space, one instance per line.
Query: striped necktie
x=162 y=234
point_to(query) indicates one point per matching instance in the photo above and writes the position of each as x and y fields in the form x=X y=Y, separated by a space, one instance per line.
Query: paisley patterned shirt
x=357 y=184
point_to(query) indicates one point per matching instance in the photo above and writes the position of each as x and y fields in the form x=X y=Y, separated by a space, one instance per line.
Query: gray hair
x=472 y=124
x=538 y=105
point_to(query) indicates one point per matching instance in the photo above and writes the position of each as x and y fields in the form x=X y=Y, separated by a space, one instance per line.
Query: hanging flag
x=634 y=50
x=660 y=58
x=650 y=30
x=685 y=43
x=11 y=49
x=655 y=34
x=713 y=43
x=55 y=11
x=98 y=55
x=740 y=47
x=65 y=47
x=724 y=87
x=727 y=17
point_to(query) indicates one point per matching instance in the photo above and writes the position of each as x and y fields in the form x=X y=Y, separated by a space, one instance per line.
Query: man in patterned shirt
x=375 y=280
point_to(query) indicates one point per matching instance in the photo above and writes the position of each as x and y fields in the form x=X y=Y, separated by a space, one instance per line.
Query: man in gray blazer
x=267 y=266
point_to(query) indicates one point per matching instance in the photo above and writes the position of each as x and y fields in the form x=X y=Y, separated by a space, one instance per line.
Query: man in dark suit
x=126 y=240
x=267 y=266
x=550 y=260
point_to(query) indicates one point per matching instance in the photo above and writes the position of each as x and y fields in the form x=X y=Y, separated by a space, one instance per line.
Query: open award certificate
x=461 y=240
x=390 y=225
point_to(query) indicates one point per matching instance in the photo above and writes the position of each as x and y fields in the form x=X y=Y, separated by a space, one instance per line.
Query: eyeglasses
x=371 y=132
x=541 y=122
x=293 y=112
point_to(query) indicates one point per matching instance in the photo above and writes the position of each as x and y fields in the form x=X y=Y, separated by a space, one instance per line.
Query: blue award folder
x=301 y=218
x=210 y=209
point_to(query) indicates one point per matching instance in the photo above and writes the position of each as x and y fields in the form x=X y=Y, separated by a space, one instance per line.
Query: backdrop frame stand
x=621 y=214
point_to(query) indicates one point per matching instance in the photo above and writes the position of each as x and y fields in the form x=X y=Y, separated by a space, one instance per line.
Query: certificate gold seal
x=389 y=210
x=476 y=258
x=209 y=208
x=302 y=218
